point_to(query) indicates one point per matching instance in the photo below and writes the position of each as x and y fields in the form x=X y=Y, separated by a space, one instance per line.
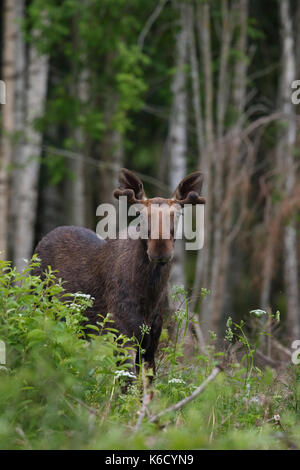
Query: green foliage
x=59 y=391
x=78 y=40
x=49 y=366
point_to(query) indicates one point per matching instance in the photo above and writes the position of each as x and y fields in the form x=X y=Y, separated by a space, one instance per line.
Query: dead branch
x=149 y=23
x=191 y=397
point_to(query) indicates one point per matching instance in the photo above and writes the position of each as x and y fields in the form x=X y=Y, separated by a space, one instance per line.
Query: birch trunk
x=29 y=158
x=287 y=167
x=6 y=149
x=19 y=114
x=178 y=131
x=178 y=146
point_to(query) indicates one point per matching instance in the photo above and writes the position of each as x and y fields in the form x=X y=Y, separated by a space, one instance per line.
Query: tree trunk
x=29 y=158
x=6 y=148
x=178 y=131
x=205 y=163
x=77 y=186
x=211 y=308
x=112 y=156
x=225 y=159
x=76 y=196
x=286 y=163
x=19 y=116
x=178 y=145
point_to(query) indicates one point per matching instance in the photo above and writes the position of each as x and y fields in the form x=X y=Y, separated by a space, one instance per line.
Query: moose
x=126 y=277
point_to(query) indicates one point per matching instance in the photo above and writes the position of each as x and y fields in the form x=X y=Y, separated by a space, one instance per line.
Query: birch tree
x=26 y=197
x=19 y=113
x=286 y=165
x=6 y=147
x=178 y=129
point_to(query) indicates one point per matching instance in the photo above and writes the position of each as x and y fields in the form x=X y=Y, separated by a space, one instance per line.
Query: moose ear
x=130 y=185
x=189 y=189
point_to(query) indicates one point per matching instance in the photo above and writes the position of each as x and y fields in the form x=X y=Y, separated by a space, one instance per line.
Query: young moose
x=127 y=278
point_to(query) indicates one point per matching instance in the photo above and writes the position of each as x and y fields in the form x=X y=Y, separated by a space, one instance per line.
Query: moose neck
x=151 y=277
x=133 y=276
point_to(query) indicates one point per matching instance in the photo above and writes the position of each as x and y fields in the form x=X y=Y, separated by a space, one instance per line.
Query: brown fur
x=128 y=278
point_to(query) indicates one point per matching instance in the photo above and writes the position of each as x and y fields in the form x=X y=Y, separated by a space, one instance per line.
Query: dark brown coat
x=127 y=278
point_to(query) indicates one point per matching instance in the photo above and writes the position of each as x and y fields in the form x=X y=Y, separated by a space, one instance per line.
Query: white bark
x=29 y=157
x=6 y=149
x=178 y=148
x=178 y=131
x=19 y=113
x=287 y=164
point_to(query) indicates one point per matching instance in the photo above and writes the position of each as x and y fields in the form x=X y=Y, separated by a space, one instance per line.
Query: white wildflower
x=258 y=312
x=83 y=296
x=180 y=314
x=176 y=381
x=145 y=329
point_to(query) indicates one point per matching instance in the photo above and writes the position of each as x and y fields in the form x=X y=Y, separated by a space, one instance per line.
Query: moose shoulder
x=126 y=277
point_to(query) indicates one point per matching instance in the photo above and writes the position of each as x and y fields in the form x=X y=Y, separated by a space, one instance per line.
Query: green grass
x=59 y=391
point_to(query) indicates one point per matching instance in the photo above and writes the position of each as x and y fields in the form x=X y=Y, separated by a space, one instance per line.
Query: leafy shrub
x=61 y=387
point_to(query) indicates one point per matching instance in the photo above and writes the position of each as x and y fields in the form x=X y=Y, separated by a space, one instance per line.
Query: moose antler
x=192 y=198
x=129 y=193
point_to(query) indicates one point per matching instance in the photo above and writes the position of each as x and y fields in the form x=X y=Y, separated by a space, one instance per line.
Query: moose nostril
x=160 y=260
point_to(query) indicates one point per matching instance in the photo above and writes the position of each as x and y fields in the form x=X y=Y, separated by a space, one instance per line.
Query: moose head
x=160 y=214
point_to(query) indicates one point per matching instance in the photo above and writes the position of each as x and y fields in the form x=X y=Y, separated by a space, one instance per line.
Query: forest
x=163 y=88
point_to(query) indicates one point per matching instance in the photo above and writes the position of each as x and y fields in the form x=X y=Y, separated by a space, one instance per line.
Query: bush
x=61 y=388
x=50 y=367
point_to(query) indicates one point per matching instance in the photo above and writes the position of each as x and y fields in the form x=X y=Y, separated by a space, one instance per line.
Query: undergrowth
x=61 y=387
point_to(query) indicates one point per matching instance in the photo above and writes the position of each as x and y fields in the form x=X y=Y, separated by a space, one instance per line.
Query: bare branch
x=100 y=164
x=191 y=397
x=149 y=23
